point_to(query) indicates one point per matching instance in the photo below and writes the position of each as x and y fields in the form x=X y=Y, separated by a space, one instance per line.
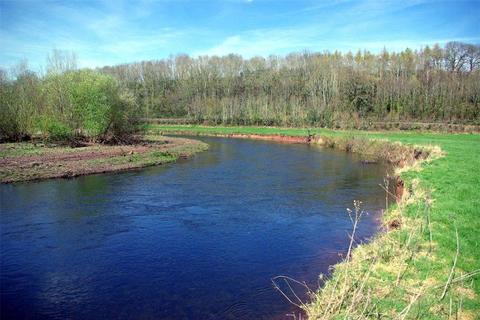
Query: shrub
x=54 y=130
x=90 y=104
x=18 y=101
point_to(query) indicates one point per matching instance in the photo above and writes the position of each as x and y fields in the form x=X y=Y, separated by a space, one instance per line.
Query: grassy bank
x=34 y=161
x=424 y=267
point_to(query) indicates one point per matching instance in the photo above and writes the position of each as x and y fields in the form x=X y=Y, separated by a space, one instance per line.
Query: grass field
x=420 y=270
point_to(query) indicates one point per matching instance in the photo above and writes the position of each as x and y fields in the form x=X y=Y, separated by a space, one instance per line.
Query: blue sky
x=113 y=32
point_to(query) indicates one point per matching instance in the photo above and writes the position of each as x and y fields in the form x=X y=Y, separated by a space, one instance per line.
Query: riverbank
x=427 y=265
x=34 y=161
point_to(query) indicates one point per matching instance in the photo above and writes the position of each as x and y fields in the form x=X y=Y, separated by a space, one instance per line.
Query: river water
x=198 y=239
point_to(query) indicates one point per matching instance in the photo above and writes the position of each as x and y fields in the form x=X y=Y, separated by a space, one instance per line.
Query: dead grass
x=402 y=156
x=382 y=275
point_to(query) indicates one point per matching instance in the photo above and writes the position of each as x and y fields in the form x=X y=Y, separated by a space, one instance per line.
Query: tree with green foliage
x=66 y=105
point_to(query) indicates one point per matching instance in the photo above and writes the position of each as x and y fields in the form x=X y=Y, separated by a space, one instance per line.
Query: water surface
x=199 y=239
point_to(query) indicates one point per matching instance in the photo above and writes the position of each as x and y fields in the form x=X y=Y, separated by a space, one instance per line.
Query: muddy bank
x=266 y=137
x=277 y=138
x=30 y=161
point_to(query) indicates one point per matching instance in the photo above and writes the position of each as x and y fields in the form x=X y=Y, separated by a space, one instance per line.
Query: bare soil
x=27 y=161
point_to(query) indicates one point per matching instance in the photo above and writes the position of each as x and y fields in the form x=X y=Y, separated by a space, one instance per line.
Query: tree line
x=331 y=89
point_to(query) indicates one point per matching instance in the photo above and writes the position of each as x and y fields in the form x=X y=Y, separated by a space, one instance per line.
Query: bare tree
x=455 y=55
x=473 y=57
x=327 y=89
x=61 y=61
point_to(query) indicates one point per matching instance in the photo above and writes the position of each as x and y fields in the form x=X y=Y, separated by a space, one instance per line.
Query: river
x=197 y=239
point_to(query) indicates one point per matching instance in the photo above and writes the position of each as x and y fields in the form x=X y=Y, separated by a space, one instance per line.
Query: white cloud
x=117 y=31
x=283 y=41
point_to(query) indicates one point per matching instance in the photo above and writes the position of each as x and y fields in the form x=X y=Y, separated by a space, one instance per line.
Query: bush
x=89 y=104
x=65 y=106
x=54 y=130
x=18 y=100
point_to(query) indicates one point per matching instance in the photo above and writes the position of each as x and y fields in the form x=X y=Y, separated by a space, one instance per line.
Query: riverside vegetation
x=328 y=89
x=74 y=122
x=427 y=265
x=65 y=106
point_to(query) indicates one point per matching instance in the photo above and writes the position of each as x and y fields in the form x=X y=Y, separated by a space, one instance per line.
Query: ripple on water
x=199 y=239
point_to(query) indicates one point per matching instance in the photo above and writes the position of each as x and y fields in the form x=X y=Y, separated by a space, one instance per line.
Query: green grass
x=140 y=160
x=452 y=183
x=21 y=149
